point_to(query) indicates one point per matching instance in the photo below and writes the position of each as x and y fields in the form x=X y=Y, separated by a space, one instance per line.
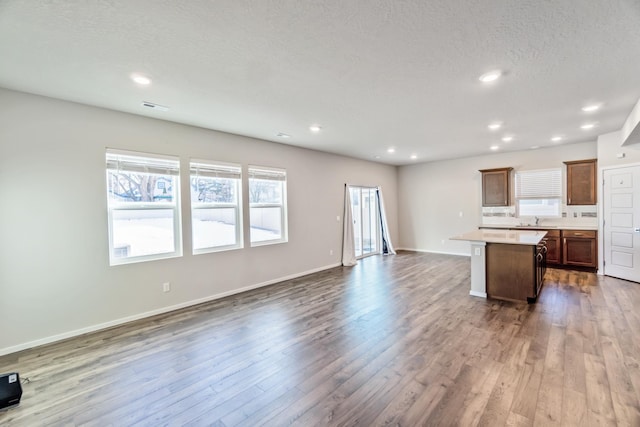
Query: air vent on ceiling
x=154 y=106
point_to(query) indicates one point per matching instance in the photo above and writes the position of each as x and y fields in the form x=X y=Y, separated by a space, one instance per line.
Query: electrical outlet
x=166 y=286
x=478 y=251
x=338 y=218
x=330 y=251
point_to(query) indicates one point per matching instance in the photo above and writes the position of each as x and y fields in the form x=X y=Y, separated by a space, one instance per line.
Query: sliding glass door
x=366 y=228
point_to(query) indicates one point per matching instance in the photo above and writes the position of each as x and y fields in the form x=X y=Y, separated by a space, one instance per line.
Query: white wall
x=55 y=278
x=431 y=196
x=610 y=147
x=630 y=132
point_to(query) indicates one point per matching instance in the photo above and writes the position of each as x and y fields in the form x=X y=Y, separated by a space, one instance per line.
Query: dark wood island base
x=514 y=272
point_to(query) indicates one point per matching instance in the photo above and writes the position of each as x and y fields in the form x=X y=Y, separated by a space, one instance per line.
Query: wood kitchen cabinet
x=514 y=272
x=569 y=248
x=579 y=248
x=496 y=186
x=554 y=247
x=581 y=182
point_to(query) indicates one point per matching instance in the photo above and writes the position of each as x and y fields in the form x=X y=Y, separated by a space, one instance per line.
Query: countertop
x=541 y=227
x=512 y=237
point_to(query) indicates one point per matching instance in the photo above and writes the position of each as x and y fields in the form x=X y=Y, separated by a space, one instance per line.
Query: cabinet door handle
x=577 y=234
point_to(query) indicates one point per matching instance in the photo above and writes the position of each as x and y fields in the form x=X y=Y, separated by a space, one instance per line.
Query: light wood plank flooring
x=395 y=340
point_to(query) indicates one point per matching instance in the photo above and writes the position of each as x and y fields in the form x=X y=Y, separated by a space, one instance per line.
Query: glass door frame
x=359 y=223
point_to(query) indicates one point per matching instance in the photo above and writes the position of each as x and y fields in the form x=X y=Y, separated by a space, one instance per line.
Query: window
x=215 y=206
x=143 y=202
x=267 y=205
x=539 y=192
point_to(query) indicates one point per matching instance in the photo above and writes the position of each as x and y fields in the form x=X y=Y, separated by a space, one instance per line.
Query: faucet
x=537 y=220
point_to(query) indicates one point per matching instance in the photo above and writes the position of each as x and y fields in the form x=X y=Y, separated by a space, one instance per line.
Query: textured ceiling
x=373 y=74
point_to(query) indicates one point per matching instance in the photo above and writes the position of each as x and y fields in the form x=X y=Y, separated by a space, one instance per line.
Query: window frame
x=144 y=165
x=262 y=173
x=211 y=166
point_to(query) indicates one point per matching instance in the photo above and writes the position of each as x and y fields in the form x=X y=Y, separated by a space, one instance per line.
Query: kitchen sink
x=545 y=227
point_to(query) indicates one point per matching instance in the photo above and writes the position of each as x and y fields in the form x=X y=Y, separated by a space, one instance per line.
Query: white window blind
x=539 y=184
x=210 y=170
x=118 y=161
x=267 y=174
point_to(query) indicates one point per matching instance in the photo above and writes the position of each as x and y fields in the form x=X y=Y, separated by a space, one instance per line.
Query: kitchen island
x=506 y=264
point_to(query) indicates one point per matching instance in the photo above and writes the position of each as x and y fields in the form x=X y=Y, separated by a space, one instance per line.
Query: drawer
x=552 y=233
x=586 y=234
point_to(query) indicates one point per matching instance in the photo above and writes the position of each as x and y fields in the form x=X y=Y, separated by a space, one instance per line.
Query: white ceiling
x=373 y=74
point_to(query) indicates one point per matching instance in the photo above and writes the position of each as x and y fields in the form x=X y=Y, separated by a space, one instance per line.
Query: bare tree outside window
x=139 y=187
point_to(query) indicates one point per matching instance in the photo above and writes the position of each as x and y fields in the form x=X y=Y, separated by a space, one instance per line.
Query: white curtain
x=387 y=246
x=348 y=241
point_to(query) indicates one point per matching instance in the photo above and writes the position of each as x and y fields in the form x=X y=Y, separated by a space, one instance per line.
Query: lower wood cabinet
x=571 y=248
x=554 y=247
x=514 y=272
x=579 y=248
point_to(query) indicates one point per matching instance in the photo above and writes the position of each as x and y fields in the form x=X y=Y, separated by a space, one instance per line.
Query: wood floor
x=395 y=340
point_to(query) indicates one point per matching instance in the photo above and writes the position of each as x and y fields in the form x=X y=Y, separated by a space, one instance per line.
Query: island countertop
x=540 y=227
x=512 y=237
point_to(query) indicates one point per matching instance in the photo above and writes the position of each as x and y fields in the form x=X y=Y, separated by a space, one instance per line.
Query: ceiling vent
x=154 y=106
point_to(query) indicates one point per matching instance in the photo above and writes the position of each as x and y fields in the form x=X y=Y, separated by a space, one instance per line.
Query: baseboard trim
x=433 y=252
x=123 y=320
x=478 y=294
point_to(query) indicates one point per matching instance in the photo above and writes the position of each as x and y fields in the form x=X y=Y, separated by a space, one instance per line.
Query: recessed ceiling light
x=494 y=147
x=587 y=126
x=507 y=138
x=140 y=79
x=556 y=138
x=414 y=156
x=391 y=150
x=590 y=108
x=377 y=157
x=491 y=76
x=315 y=128
x=535 y=147
x=283 y=135
x=495 y=125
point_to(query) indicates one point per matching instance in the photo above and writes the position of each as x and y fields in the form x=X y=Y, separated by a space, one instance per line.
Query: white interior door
x=621 y=231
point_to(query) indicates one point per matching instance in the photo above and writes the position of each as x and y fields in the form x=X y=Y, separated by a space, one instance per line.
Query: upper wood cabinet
x=495 y=187
x=581 y=182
